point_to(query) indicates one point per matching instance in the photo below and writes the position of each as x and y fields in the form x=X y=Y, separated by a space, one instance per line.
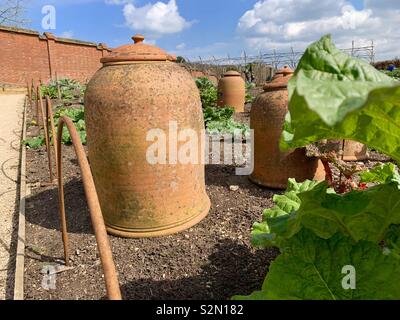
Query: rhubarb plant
x=323 y=234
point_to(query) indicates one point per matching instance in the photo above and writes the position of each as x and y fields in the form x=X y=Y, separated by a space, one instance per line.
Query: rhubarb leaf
x=319 y=269
x=335 y=96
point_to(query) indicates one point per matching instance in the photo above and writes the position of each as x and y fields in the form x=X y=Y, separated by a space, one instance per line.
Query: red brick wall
x=25 y=56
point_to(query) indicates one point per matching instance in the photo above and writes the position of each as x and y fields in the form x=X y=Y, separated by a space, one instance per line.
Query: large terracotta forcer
x=232 y=91
x=138 y=89
x=354 y=151
x=273 y=168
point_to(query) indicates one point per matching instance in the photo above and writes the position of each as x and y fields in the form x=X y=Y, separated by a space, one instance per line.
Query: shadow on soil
x=225 y=176
x=43 y=206
x=43 y=209
x=232 y=269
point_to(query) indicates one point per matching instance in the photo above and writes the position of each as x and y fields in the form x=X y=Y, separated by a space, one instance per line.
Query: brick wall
x=25 y=55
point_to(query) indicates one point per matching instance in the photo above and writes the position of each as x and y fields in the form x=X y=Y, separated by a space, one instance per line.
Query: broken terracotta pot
x=354 y=151
x=138 y=90
x=232 y=91
x=272 y=167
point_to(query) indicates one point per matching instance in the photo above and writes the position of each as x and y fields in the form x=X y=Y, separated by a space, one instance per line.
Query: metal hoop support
x=103 y=244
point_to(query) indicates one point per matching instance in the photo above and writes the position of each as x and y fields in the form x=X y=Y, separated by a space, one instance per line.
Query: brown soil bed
x=213 y=260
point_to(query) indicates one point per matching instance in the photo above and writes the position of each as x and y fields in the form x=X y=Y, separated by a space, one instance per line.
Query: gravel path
x=11 y=108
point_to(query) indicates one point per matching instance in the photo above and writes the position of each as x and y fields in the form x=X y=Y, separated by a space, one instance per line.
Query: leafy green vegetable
x=50 y=91
x=380 y=174
x=361 y=215
x=217 y=120
x=34 y=143
x=77 y=115
x=220 y=121
x=394 y=74
x=65 y=136
x=208 y=92
x=392 y=239
x=285 y=204
x=335 y=96
x=227 y=127
x=311 y=268
x=249 y=98
x=69 y=89
x=218 y=114
x=82 y=136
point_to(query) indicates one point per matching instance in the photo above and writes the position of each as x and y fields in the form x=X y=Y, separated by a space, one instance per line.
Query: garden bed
x=213 y=260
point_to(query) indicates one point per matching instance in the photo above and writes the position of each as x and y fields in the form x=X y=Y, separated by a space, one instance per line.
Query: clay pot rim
x=286 y=70
x=138 y=51
x=280 y=82
x=232 y=73
x=274 y=86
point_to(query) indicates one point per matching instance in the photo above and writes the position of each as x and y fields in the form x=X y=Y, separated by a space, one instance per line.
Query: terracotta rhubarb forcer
x=232 y=91
x=354 y=151
x=273 y=168
x=138 y=89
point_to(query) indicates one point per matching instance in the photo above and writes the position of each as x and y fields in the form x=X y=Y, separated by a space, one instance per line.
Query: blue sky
x=208 y=28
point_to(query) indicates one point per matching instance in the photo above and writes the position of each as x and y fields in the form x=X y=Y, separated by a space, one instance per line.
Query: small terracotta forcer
x=138 y=90
x=273 y=168
x=354 y=151
x=232 y=91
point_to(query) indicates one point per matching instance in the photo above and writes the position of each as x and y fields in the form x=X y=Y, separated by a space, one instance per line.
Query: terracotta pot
x=273 y=168
x=138 y=89
x=232 y=91
x=354 y=151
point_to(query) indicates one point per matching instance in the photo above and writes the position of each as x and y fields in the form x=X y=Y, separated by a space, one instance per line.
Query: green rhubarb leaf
x=392 y=239
x=335 y=96
x=361 y=215
x=34 y=143
x=315 y=269
x=380 y=174
x=284 y=205
x=82 y=136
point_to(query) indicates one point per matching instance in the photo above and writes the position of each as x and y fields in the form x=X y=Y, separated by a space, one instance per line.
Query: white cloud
x=150 y=41
x=180 y=46
x=154 y=20
x=280 y=24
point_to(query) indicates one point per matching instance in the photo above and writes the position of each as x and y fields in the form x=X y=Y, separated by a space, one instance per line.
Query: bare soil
x=213 y=260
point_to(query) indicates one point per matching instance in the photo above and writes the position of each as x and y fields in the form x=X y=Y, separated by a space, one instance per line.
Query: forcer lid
x=232 y=73
x=138 y=51
x=280 y=79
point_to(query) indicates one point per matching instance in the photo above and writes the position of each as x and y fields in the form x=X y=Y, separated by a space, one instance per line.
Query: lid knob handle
x=286 y=70
x=138 y=38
